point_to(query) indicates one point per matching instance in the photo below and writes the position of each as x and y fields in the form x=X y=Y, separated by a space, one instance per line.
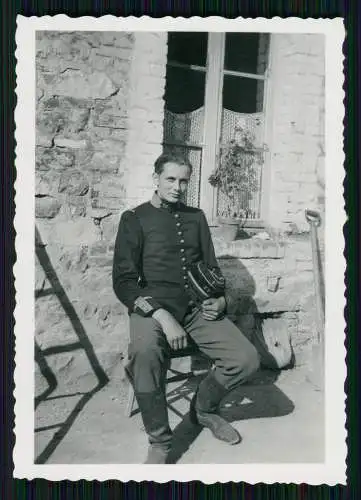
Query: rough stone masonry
x=99 y=119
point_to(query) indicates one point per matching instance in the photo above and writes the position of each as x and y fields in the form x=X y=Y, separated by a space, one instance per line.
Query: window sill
x=250 y=224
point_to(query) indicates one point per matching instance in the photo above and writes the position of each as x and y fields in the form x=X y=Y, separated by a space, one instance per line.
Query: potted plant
x=236 y=175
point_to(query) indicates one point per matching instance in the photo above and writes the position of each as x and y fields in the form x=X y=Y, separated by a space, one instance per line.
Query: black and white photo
x=180 y=269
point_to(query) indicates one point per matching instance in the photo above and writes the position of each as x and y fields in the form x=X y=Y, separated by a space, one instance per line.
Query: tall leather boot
x=204 y=407
x=153 y=408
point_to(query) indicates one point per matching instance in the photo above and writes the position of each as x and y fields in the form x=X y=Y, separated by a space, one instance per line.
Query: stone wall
x=296 y=136
x=99 y=118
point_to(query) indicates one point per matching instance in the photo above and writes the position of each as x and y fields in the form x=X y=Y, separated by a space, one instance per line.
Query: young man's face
x=172 y=183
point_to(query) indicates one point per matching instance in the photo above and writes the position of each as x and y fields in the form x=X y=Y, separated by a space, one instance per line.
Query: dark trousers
x=234 y=357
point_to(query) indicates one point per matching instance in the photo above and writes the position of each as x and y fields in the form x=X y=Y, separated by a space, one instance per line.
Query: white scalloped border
x=333 y=471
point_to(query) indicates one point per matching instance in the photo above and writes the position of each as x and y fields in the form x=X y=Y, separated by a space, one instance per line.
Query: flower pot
x=228 y=229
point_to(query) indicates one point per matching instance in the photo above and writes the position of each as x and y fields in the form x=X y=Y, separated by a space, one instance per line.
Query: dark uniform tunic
x=155 y=243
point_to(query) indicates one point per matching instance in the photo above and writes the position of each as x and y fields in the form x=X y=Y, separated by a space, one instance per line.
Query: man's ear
x=156 y=179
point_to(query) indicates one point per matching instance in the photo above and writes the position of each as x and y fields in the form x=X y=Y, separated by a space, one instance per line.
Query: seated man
x=155 y=246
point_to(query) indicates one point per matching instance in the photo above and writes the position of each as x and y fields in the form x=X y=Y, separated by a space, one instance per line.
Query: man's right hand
x=176 y=335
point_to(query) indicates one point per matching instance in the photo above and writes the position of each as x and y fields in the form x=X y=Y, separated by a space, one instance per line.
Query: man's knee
x=146 y=340
x=244 y=362
x=244 y=356
x=253 y=360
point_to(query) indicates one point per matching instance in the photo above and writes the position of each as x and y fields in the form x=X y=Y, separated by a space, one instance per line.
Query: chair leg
x=130 y=402
x=194 y=370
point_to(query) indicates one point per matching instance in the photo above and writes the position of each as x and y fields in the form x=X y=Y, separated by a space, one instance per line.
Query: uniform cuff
x=145 y=306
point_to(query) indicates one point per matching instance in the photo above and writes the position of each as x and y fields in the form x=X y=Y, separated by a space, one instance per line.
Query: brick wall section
x=297 y=135
x=146 y=113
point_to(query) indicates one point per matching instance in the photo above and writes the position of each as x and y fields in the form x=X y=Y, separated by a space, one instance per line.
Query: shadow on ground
x=40 y=357
x=259 y=398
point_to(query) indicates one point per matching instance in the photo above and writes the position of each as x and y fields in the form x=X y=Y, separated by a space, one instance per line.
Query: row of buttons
x=182 y=250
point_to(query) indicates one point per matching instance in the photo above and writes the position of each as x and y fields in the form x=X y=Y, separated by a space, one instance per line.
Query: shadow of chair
x=47 y=373
x=83 y=343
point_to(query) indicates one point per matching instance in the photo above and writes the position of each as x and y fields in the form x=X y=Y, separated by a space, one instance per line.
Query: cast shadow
x=83 y=343
x=257 y=398
x=242 y=307
x=47 y=373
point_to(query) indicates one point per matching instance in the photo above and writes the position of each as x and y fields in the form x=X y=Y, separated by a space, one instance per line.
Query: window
x=215 y=84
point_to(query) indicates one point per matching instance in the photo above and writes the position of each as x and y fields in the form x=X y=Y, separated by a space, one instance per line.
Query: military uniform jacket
x=154 y=246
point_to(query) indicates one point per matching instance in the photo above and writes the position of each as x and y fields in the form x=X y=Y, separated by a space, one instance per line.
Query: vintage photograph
x=180 y=246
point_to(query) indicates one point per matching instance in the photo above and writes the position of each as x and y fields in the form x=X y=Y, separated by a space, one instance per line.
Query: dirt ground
x=279 y=416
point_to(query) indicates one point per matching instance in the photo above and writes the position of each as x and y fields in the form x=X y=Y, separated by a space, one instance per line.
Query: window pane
x=246 y=52
x=188 y=47
x=184 y=90
x=243 y=95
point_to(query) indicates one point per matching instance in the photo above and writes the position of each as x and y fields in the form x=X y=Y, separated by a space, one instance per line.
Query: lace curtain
x=183 y=133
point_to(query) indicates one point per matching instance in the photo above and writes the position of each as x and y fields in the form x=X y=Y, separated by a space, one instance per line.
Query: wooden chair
x=194 y=353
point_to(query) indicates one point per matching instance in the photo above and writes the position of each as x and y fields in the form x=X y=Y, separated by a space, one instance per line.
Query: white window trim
x=212 y=121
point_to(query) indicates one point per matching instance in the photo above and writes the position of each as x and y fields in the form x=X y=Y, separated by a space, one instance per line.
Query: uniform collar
x=157 y=202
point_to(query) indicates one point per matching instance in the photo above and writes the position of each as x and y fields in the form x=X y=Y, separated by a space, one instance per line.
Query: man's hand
x=176 y=335
x=213 y=308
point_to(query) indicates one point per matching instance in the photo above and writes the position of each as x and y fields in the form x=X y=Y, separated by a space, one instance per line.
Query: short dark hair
x=170 y=158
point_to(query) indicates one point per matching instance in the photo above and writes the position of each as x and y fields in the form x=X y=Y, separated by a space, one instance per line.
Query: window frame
x=211 y=144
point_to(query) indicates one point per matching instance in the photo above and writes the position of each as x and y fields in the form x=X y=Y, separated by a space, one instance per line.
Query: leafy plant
x=237 y=173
